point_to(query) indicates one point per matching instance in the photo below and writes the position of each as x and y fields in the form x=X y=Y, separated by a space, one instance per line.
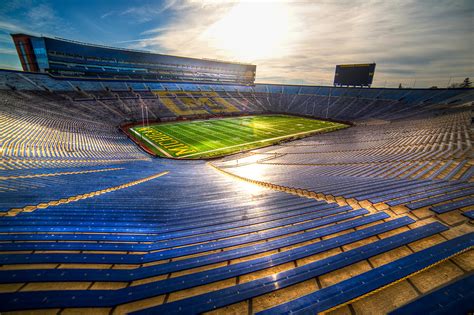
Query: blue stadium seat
x=374 y=279
x=453 y=298
x=88 y=220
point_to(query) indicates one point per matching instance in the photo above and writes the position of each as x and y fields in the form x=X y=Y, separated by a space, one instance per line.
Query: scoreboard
x=354 y=75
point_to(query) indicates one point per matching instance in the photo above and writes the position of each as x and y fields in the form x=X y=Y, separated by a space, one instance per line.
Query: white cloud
x=290 y=41
x=147 y=12
x=8 y=51
x=155 y=30
x=33 y=19
x=107 y=14
x=26 y=16
x=41 y=15
x=12 y=27
x=407 y=39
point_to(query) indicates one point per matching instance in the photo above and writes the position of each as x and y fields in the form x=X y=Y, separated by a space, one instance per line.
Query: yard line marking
x=258 y=141
x=154 y=145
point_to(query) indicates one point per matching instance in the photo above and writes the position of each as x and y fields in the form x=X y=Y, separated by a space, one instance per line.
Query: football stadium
x=147 y=183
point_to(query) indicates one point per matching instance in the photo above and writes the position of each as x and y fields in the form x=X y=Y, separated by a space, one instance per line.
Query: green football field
x=200 y=139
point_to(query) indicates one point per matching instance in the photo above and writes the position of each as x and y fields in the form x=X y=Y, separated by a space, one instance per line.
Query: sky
x=419 y=43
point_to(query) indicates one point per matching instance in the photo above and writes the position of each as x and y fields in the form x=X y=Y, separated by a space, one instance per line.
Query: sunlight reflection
x=250 y=188
x=253 y=171
x=253 y=30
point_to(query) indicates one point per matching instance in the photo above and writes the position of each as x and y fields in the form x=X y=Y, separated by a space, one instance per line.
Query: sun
x=252 y=31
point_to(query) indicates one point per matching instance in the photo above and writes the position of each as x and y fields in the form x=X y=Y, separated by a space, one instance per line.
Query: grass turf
x=201 y=139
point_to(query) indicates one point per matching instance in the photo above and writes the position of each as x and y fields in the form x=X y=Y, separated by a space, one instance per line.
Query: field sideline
x=200 y=139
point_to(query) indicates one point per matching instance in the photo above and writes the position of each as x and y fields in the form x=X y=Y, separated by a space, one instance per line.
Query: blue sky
x=418 y=43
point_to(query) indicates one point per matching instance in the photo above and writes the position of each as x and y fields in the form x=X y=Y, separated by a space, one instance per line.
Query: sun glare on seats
x=179 y=180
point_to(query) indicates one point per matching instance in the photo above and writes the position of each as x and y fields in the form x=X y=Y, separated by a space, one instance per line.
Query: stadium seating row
x=381 y=211
x=457 y=297
x=189 y=100
x=374 y=279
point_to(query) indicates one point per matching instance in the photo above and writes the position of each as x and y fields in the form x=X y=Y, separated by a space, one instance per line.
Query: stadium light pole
x=143 y=116
x=147 y=121
x=327 y=108
x=449 y=82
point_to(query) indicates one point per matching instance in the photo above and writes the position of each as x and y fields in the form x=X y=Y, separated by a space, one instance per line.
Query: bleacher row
x=425 y=148
x=372 y=219
x=170 y=100
x=420 y=168
x=44 y=126
x=420 y=158
x=163 y=254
